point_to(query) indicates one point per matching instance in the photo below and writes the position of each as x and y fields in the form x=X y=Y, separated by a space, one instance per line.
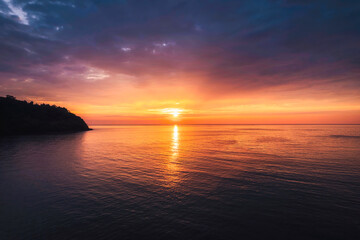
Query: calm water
x=183 y=182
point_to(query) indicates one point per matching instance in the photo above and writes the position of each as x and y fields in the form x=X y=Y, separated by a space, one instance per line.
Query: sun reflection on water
x=173 y=164
x=175 y=143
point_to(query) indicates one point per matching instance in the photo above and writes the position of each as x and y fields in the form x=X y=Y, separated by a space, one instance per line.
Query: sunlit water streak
x=183 y=182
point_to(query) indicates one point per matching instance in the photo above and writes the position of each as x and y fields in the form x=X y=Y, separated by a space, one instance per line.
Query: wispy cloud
x=17 y=11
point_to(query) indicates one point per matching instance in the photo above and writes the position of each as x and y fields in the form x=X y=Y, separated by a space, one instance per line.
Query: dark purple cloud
x=233 y=44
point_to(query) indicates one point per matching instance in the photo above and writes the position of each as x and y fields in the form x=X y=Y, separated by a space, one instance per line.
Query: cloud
x=229 y=45
x=17 y=11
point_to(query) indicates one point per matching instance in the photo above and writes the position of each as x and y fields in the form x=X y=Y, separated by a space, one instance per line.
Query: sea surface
x=183 y=182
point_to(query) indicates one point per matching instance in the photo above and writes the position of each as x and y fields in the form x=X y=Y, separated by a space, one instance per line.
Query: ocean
x=183 y=182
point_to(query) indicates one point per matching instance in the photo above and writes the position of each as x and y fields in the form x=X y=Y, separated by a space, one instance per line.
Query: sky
x=185 y=62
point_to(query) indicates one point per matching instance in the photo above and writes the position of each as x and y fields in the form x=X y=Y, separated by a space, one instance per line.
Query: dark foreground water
x=183 y=182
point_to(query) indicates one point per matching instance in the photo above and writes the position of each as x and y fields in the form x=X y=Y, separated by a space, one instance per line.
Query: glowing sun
x=175 y=112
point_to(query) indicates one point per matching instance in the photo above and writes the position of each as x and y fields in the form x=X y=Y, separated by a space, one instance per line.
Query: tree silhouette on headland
x=22 y=117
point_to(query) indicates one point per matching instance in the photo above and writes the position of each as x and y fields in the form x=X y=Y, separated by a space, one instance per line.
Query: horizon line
x=169 y=124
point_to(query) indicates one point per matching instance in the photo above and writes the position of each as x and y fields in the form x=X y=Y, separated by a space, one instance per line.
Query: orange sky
x=190 y=102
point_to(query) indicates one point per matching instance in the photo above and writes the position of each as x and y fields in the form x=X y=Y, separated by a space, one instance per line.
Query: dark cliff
x=22 y=117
